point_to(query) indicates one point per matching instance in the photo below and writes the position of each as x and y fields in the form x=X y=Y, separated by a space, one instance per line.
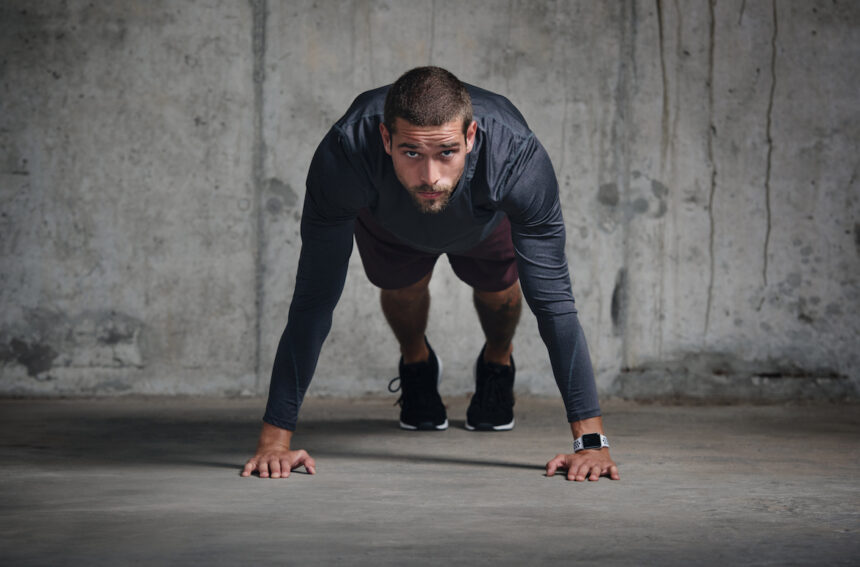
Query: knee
x=510 y=297
x=418 y=289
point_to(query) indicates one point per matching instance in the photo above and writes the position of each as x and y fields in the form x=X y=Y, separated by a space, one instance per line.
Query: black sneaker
x=492 y=405
x=421 y=408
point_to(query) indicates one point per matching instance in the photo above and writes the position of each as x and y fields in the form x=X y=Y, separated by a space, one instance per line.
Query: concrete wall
x=153 y=155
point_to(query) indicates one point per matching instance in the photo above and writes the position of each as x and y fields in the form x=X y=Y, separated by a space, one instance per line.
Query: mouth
x=430 y=195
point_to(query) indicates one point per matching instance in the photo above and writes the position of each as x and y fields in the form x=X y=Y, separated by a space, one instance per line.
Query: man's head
x=428 y=96
x=427 y=131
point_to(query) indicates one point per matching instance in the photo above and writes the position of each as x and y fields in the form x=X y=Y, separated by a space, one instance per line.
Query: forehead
x=408 y=133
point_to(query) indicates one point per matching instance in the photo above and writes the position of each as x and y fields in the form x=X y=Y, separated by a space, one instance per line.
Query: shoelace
x=397 y=389
x=415 y=394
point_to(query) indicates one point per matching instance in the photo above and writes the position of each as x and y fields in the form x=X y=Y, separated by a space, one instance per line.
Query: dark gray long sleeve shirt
x=508 y=173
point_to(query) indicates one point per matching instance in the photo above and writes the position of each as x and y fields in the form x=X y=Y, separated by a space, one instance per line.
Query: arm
x=538 y=233
x=319 y=283
x=330 y=205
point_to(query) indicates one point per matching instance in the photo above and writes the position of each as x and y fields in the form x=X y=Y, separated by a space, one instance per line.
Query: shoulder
x=367 y=107
x=349 y=160
x=503 y=131
x=357 y=131
x=495 y=111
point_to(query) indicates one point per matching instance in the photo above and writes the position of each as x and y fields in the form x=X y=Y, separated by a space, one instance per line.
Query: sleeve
x=331 y=204
x=537 y=230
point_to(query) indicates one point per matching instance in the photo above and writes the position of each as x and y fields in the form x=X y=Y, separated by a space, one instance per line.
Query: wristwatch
x=590 y=441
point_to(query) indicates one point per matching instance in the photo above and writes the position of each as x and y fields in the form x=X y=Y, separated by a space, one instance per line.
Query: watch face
x=591 y=441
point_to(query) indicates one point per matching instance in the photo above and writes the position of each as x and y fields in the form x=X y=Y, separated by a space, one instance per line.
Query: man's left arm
x=538 y=233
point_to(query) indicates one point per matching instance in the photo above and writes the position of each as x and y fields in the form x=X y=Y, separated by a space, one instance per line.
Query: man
x=424 y=167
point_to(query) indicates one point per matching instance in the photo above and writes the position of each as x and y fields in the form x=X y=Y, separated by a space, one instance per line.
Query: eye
x=448 y=153
x=411 y=154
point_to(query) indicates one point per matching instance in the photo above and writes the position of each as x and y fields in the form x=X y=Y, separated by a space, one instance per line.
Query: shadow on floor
x=426 y=459
x=136 y=440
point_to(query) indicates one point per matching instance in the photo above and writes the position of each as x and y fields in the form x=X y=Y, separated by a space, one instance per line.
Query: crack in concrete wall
x=769 y=161
x=712 y=133
x=664 y=118
x=432 y=47
x=621 y=165
x=259 y=11
x=508 y=49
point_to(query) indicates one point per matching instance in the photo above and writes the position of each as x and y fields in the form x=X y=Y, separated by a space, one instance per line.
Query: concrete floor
x=155 y=481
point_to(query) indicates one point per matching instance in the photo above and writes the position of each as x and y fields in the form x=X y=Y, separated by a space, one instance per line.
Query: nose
x=430 y=172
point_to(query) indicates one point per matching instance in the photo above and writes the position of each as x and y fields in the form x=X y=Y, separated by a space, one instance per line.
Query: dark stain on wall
x=618 y=308
x=283 y=191
x=661 y=192
x=281 y=196
x=113 y=328
x=35 y=357
x=92 y=338
x=608 y=195
x=857 y=237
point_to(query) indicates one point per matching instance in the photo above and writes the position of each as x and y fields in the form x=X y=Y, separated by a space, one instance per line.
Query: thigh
x=492 y=264
x=389 y=263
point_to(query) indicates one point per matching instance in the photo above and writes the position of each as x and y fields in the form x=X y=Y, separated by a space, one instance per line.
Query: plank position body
x=413 y=170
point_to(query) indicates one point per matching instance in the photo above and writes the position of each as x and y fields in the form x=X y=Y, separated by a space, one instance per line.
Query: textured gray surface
x=157 y=482
x=153 y=155
x=128 y=209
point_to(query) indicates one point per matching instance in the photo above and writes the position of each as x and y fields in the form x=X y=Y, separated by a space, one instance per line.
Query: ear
x=470 y=135
x=386 y=138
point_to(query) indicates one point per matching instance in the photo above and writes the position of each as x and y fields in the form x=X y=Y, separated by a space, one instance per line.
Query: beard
x=431 y=206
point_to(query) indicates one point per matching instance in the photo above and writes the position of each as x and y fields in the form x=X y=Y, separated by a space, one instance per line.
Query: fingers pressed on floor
x=286 y=467
x=275 y=467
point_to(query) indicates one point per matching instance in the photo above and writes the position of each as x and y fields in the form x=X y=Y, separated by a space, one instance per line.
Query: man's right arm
x=327 y=227
x=319 y=282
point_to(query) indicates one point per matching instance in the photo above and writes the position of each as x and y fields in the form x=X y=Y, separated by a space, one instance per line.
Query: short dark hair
x=428 y=96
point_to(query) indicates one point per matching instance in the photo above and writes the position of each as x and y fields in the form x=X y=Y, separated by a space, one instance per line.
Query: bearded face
x=429 y=160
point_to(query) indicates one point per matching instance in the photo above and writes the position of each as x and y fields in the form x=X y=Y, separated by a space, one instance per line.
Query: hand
x=278 y=462
x=274 y=456
x=590 y=463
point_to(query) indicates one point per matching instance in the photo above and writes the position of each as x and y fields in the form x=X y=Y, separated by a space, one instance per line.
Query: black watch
x=590 y=441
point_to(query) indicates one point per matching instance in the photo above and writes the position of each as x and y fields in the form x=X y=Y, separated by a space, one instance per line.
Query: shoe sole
x=427 y=425
x=488 y=427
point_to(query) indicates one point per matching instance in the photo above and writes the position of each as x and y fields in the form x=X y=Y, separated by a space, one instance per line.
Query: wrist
x=588 y=435
x=272 y=435
x=585 y=426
